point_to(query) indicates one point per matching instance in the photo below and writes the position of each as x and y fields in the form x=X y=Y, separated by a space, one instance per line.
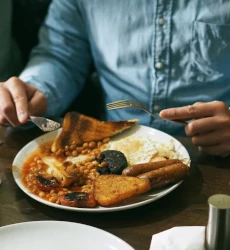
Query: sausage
x=137 y=169
x=167 y=175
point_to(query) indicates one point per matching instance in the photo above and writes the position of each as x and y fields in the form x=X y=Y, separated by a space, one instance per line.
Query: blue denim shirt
x=163 y=53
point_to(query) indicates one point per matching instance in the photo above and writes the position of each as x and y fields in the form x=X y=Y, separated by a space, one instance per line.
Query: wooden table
x=185 y=206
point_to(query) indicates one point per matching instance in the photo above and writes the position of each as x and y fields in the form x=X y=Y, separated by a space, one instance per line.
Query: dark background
x=28 y=16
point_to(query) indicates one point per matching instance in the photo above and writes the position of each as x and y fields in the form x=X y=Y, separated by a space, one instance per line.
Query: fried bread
x=112 y=189
x=79 y=128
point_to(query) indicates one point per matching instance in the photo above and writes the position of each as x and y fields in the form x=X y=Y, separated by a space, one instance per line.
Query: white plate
x=133 y=202
x=58 y=235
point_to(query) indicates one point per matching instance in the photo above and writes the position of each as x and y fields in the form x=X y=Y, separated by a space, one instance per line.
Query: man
x=165 y=54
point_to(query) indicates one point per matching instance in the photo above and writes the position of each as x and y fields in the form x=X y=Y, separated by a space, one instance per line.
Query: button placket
x=161 y=21
x=156 y=108
x=159 y=65
x=161 y=53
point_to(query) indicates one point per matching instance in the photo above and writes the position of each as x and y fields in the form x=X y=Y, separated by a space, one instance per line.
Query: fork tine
x=117 y=101
x=124 y=102
x=118 y=105
x=122 y=107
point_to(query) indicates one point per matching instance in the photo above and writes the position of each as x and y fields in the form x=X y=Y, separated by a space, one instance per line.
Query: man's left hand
x=209 y=125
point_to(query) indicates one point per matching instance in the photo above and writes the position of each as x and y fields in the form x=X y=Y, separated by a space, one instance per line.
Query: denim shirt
x=163 y=53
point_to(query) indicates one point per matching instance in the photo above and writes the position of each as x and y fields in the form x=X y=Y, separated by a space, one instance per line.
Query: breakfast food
x=135 y=170
x=83 y=168
x=78 y=199
x=137 y=149
x=112 y=189
x=82 y=129
x=111 y=162
x=166 y=175
x=59 y=170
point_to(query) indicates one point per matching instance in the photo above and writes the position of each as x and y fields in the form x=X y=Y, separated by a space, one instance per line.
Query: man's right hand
x=18 y=100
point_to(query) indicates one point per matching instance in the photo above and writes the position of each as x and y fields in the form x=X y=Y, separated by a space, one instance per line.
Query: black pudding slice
x=116 y=162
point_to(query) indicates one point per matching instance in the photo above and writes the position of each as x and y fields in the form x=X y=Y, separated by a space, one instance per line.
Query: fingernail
x=163 y=112
x=21 y=116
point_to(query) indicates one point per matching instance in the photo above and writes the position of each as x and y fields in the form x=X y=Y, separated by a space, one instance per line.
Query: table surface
x=185 y=206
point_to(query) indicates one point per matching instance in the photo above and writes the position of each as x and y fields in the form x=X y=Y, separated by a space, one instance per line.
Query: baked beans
x=84 y=172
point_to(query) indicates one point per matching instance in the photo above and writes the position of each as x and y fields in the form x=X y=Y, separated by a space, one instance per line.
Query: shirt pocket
x=210 y=52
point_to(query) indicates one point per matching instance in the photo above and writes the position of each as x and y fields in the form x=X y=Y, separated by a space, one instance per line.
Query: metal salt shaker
x=218 y=227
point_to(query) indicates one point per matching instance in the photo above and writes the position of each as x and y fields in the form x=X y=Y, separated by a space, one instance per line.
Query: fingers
x=212 y=138
x=211 y=134
x=208 y=124
x=195 y=111
x=17 y=100
x=222 y=150
x=19 y=97
x=13 y=102
x=7 y=109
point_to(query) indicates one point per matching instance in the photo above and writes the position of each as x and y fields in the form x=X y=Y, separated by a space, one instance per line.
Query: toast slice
x=79 y=128
x=111 y=189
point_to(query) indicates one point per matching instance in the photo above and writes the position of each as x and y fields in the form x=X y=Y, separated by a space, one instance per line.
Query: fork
x=121 y=104
x=44 y=124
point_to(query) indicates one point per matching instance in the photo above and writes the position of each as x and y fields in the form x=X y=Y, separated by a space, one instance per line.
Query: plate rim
x=98 y=209
x=70 y=223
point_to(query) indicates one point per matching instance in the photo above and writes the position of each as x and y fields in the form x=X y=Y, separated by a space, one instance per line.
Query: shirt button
x=161 y=21
x=156 y=107
x=159 y=65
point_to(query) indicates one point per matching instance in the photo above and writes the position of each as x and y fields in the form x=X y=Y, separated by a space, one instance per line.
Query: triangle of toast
x=79 y=128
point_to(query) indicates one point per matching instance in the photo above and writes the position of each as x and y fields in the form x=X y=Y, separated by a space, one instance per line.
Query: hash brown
x=112 y=189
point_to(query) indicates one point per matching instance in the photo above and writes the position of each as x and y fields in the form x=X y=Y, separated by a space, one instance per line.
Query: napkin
x=179 y=238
